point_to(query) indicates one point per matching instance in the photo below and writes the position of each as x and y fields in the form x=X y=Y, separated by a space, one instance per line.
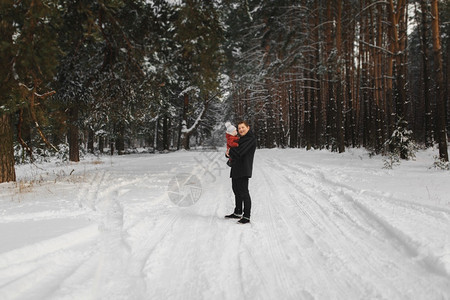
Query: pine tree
x=100 y=82
x=29 y=58
x=7 y=105
x=199 y=36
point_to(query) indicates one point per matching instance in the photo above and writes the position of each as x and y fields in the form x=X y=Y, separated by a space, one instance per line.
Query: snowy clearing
x=324 y=226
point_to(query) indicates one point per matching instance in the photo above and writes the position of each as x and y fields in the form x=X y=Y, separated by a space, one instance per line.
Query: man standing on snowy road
x=241 y=171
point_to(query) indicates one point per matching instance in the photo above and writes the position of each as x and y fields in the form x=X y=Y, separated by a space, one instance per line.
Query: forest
x=97 y=76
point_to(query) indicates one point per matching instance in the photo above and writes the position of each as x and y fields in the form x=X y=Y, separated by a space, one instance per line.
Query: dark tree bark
x=111 y=147
x=428 y=121
x=339 y=94
x=165 y=133
x=270 y=132
x=329 y=112
x=155 y=135
x=307 y=117
x=186 y=135
x=440 y=87
x=320 y=110
x=7 y=172
x=90 y=140
x=101 y=143
x=293 y=117
x=74 y=135
x=180 y=126
x=348 y=44
x=120 y=140
x=23 y=134
x=397 y=17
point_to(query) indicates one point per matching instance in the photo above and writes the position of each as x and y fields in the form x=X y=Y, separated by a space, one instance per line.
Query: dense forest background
x=114 y=75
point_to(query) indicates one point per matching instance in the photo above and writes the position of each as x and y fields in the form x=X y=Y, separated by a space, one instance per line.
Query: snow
x=186 y=130
x=324 y=226
x=189 y=89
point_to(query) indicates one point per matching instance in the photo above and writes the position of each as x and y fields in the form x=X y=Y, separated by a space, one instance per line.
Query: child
x=232 y=138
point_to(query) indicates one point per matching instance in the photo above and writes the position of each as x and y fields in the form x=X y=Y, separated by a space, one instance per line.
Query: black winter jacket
x=242 y=156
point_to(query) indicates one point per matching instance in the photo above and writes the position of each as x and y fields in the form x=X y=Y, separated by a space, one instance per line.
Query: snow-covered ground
x=324 y=226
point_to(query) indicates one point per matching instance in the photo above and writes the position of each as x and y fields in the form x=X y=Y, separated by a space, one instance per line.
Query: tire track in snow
x=437 y=210
x=234 y=242
x=300 y=246
x=440 y=211
x=314 y=252
x=40 y=267
x=376 y=226
x=121 y=251
x=117 y=245
x=252 y=266
x=111 y=255
x=277 y=253
x=199 y=257
x=110 y=252
x=138 y=253
x=38 y=270
x=340 y=251
x=431 y=262
x=42 y=277
x=144 y=252
x=138 y=241
x=189 y=258
x=87 y=197
x=173 y=267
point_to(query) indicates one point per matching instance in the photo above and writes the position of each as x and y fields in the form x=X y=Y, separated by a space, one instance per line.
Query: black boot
x=233 y=216
x=244 y=220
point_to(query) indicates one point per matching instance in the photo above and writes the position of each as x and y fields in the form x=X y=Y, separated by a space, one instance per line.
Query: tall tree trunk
x=120 y=140
x=7 y=172
x=111 y=147
x=349 y=33
x=365 y=79
x=180 y=127
x=185 y=135
x=293 y=126
x=23 y=126
x=428 y=122
x=7 y=30
x=307 y=115
x=155 y=136
x=269 y=115
x=389 y=83
x=358 y=96
x=74 y=145
x=90 y=140
x=165 y=132
x=101 y=144
x=328 y=86
x=186 y=141
x=320 y=115
x=441 y=110
x=339 y=94
x=397 y=18
x=379 y=99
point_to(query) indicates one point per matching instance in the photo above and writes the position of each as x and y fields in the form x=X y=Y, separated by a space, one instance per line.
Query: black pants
x=241 y=195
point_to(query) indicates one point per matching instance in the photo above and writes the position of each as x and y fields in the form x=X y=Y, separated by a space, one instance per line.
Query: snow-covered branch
x=189 y=130
x=190 y=88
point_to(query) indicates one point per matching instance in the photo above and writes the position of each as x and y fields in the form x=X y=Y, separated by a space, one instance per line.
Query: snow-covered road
x=324 y=226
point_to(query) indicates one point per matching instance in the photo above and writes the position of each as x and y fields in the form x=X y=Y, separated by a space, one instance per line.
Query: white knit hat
x=230 y=128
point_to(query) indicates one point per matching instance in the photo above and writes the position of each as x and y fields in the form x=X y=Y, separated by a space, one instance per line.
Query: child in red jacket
x=232 y=138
